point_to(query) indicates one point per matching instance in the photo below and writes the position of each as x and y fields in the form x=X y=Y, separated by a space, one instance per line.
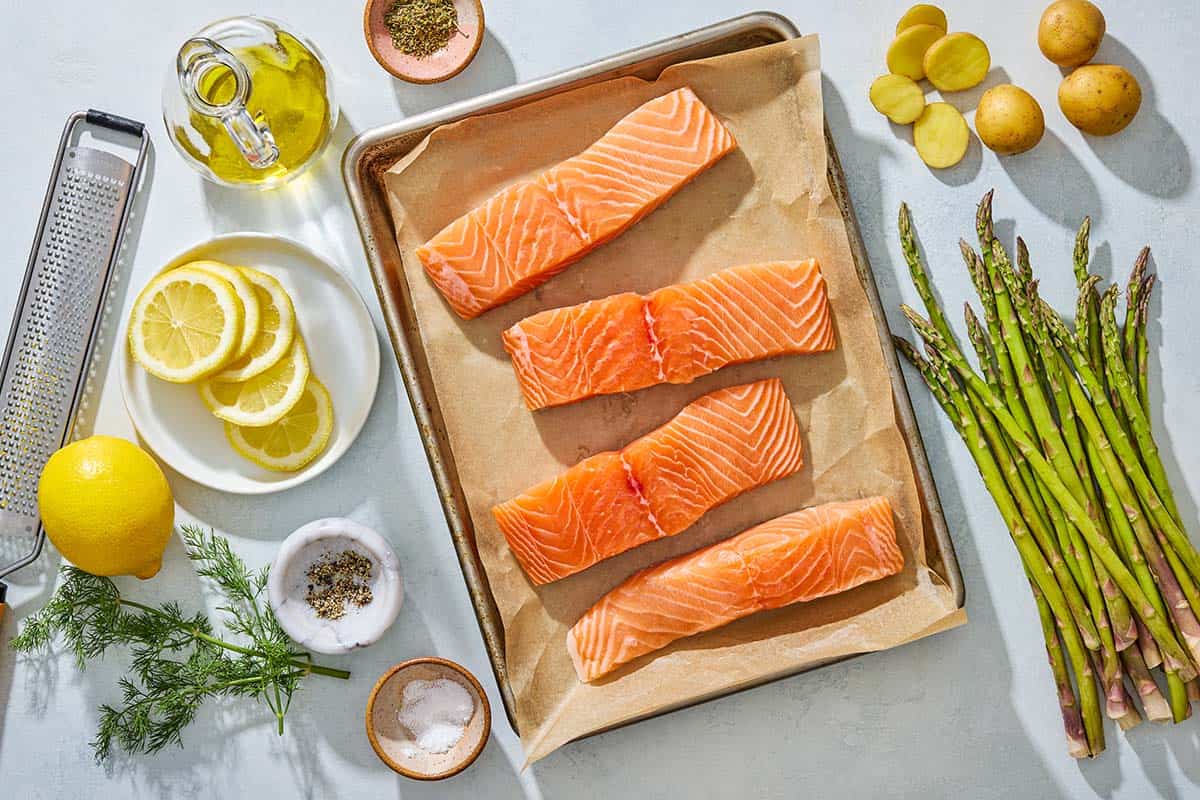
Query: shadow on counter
x=491 y=69
x=1149 y=155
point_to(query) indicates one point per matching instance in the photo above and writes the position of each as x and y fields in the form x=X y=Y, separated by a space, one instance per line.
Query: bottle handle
x=199 y=56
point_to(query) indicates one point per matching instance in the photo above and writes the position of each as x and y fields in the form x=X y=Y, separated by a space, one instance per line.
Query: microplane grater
x=58 y=317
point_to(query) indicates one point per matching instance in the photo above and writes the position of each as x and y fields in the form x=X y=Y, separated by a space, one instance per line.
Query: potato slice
x=922 y=14
x=957 y=61
x=941 y=135
x=898 y=98
x=906 y=54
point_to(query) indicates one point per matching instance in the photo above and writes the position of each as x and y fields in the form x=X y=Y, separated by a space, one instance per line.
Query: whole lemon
x=107 y=507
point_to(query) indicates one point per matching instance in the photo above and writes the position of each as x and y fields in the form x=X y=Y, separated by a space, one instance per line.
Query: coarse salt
x=436 y=713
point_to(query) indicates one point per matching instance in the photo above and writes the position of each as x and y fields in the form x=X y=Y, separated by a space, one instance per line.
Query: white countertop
x=970 y=712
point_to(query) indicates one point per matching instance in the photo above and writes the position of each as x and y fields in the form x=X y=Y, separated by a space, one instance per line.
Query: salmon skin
x=532 y=230
x=674 y=335
x=797 y=557
x=717 y=447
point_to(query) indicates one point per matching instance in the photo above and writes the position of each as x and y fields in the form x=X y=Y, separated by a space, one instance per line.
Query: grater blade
x=58 y=315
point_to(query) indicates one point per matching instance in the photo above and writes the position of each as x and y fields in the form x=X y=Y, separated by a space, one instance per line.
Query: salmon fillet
x=532 y=230
x=674 y=335
x=717 y=447
x=794 y=558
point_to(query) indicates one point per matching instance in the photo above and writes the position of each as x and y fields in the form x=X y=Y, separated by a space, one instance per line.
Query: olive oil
x=287 y=95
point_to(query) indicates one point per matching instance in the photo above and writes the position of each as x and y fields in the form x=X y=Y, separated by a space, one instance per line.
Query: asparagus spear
x=1123 y=449
x=1077 y=744
x=965 y=422
x=1089 y=307
x=1138 y=422
x=1142 y=355
x=1177 y=693
x=1123 y=627
x=1024 y=267
x=990 y=296
x=1173 y=654
x=1111 y=476
x=1089 y=341
x=983 y=349
x=1149 y=649
x=1132 y=293
x=1039 y=525
x=1017 y=322
x=1153 y=702
x=1036 y=507
x=1140 y=425
x=1035 y=512
x=1008 y=387
x=1133 y=556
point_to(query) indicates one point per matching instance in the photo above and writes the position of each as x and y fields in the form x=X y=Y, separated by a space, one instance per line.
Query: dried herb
x=179 y=661
x=420 y=28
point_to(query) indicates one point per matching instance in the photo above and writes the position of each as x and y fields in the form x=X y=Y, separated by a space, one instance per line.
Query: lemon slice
x=263 y=399
x=275 y=332
x=246 y=293
x=185 y=325
x=295 y=440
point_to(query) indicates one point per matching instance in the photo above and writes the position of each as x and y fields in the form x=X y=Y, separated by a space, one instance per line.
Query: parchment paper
x=769 y=199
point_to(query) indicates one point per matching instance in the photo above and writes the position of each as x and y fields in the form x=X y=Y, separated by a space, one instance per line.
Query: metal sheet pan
x=370 y=155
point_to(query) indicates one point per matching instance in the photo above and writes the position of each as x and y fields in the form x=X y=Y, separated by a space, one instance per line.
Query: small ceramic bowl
x=392 y=741
x=288 y=584
x=442 y=65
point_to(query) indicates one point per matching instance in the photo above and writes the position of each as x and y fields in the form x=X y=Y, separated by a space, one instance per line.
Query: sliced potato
x=922 y=14
x=906 y=54
x=957 y=61
x=941 y=135
x=898 y=98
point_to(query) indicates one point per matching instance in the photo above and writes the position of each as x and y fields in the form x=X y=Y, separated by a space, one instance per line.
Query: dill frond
x=177 y=661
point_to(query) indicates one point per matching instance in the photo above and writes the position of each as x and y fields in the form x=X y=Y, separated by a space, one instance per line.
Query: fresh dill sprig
x=178 y=661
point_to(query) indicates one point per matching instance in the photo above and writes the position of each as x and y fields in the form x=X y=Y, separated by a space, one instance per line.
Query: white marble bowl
x=288 y=584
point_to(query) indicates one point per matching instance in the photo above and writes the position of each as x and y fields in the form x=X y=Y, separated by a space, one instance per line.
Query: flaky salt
x=436 y=713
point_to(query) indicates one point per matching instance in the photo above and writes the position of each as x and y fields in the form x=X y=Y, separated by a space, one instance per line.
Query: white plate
x=342 y=348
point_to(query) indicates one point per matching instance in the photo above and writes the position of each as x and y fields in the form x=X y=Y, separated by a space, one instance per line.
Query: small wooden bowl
x=387 y=734
x=442 y=65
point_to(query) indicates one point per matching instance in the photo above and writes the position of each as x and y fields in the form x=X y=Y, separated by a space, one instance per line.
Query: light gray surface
x=970 y=712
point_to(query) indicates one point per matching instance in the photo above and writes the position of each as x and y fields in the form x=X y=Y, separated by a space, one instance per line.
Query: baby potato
x=922 y=14
x=1100 y=99
x=1008 y=120
x=1070 y=32
x=906 y=54
x=898 y=98
x=957 y=61
x=941 y=135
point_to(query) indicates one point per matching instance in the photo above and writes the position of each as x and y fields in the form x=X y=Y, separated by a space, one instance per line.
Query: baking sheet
x=367 y=159
x=769 y=199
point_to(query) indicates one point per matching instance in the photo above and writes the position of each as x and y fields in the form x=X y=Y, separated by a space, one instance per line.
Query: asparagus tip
x=1143 y=301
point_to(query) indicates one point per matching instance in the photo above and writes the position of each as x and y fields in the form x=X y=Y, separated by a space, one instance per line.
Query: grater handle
x=115 y=122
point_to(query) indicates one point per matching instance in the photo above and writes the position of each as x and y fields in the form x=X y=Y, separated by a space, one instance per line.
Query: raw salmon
x=797 y=557
x=532 y=230
x=719 y=446
x=674 y=335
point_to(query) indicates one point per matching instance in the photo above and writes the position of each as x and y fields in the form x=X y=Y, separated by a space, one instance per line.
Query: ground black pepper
x=338 y=580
